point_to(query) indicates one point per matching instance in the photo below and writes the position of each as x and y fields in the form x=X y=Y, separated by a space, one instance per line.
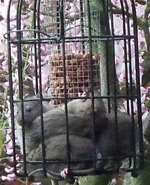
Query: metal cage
x=77 y=45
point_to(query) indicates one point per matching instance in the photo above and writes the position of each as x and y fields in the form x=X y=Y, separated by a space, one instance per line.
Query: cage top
x=48 y=21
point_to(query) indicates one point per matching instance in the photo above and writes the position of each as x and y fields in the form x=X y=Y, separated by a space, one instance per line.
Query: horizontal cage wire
x=74 y=87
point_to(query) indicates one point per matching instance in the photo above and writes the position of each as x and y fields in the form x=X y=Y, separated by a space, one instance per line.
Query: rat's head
x=31 y=110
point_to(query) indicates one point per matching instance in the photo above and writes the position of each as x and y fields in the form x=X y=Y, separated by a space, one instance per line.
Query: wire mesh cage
x=70 y=53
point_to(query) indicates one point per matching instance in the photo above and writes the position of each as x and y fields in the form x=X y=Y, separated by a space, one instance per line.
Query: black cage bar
x=79 y=42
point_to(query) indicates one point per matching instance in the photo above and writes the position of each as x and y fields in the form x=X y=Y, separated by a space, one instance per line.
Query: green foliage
x=3 y=124
x=147 y=104
x=143 y=178
x=1 y=142
x=26 y=52
x=146 y=56
x=95 y=180
x=88 y=180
